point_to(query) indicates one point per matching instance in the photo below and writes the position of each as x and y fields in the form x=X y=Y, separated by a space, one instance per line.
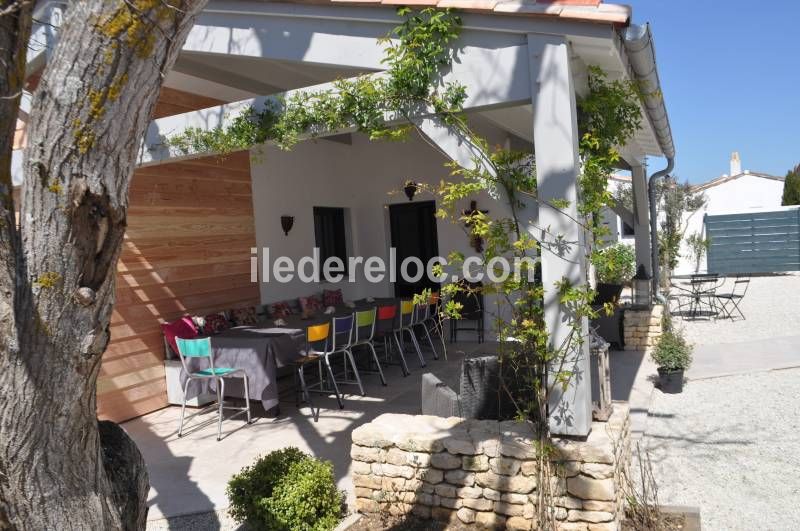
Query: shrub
x=286 y=490
x=672 y=352
x=615 y=264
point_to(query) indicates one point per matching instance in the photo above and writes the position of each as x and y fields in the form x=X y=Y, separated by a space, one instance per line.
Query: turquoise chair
x=201 y=348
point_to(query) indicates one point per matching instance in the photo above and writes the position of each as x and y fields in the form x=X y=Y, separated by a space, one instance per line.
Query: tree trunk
x=60 y=470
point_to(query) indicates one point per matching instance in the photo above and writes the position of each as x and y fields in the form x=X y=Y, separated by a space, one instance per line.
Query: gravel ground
x=772 y=309
x=731 y=446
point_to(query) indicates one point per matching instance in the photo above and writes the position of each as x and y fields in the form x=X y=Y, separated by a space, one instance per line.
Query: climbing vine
x=382 y=106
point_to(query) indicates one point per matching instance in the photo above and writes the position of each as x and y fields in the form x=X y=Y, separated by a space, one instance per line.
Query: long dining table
x=261 y=350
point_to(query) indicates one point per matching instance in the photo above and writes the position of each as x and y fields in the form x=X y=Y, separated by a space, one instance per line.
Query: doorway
x=413 y=234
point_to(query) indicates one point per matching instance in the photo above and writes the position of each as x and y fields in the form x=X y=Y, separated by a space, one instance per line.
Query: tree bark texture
x=59 y=468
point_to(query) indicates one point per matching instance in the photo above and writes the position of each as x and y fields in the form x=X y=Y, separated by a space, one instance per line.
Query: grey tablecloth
x=260 y=351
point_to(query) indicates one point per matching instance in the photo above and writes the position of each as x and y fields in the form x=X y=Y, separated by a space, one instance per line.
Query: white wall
x=747 y=193
x=358 y=177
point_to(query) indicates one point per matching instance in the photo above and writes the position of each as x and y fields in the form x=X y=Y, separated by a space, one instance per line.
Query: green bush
x=287 y=490
x=615 y=264
x=672 y=352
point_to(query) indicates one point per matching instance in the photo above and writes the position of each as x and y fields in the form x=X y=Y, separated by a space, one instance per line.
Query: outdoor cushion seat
x=216 y=371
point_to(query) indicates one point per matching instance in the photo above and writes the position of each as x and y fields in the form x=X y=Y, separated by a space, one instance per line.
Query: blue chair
x=342 y=343
x=201 y=348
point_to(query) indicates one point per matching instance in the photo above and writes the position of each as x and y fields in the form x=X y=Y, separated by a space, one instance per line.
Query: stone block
x=597 y=470
x=517 y=523
x=588 y=488
x=445 y=490
x=367 y=481
x=445 y=461
x=506 y=466
x=490 y=520
x=466 y=515
x=393 y=471
x=594 y=505
x=568 y=502
x=430 y=475
x=572 y=526
x=513 y=497
x=479 y=504
x=443 y=514
x=491 y=494
x=469 y=492
x=529 y=468
x=519 y=484
x=509 y=509
x=594 y=517
x=460 y=477
x=365 y=454
x=361 y=467
x=367 y=506
x=395 y=456
x=605 y=526
x=372 y=435
x=451 y=503
x=475 y=463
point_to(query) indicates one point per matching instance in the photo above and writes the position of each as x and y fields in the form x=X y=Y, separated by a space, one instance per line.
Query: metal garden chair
x=201 y=349
x=729 y=302
x=317 y=342
x=364 y=332
x=406 y=324
x=386 y=330
x=422 y=315
x=342 y=343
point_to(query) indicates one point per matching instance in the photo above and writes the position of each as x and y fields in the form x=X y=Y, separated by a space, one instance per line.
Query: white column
x=641 y=216
x=555 y=138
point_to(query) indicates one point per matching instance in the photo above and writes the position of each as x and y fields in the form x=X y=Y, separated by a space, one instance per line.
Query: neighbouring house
x=193 y=220
x=737 y=192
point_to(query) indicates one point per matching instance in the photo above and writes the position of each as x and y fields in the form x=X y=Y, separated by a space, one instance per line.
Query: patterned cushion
x=294 y=307
x=332 y=297
x=279 y=310
x=311 y=305
x=183 y=328
x=215 y=323
x=244 y=316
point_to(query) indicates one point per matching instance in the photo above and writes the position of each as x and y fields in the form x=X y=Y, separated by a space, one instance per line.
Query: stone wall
x=642 y=328
x=484 y=472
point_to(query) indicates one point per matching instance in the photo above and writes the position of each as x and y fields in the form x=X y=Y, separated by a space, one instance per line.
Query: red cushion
x=332 y=297
x=279 y=310
x=311 y=305
x=183 y=328
x=244 y=316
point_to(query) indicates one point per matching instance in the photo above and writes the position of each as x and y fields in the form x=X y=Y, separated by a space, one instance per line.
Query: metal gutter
x=638 y=42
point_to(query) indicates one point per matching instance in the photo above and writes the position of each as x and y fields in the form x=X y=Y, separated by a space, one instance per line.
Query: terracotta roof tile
x=586 y=10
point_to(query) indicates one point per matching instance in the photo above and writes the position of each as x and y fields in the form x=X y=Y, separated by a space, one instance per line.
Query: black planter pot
x=670 y=381
x=607 y=293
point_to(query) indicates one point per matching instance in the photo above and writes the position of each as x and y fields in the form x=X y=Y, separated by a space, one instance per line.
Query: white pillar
x=555 y=138
x=641 y=217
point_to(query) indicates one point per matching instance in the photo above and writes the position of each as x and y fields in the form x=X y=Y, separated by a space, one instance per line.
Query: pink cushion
x=279 y=310
x=332 y=297
x=311 y=305
x=183 y=328
x=244 y=316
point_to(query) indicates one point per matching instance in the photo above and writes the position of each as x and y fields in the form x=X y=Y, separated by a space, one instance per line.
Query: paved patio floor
x=189 y=475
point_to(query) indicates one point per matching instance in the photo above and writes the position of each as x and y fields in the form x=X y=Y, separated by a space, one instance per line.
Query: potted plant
x=615 y=266
x=673 y=355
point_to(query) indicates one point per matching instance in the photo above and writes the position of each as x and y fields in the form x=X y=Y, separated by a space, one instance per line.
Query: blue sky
x=730 y=71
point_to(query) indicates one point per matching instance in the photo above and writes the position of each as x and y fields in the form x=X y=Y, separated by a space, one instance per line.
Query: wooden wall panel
x=186 y=251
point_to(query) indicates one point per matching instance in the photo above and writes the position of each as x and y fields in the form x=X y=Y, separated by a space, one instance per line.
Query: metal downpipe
x=651 y=196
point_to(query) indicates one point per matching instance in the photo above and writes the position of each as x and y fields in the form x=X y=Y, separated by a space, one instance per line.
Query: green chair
x=364 y=334
x=201 y=348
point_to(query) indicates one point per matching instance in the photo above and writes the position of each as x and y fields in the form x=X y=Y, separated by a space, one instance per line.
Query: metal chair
x=386 y=329
x=201 y=349
x=316 y=352
x=341 y=343
x=406 y=324
x=364 y=332
x=422 y=313
x=734 y=298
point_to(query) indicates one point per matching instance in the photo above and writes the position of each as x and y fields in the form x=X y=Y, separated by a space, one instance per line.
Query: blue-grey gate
x=758 y=242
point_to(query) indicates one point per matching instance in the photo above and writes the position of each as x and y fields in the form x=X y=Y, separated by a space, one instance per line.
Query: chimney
x=736 y=164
